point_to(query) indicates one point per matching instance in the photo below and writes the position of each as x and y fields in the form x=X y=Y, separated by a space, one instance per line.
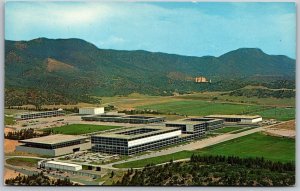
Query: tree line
x=25 y=134
x=38 y=180
x=213 y=171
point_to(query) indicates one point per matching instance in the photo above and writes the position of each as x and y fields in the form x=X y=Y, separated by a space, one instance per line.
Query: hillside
x=74 y=66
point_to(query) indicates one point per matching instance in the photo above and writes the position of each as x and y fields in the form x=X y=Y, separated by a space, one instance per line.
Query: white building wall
x=91 y=111
x=62 y=166
x=256 y=120
x=153 y=138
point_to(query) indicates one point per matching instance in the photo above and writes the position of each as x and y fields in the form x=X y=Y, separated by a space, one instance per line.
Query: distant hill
x=74 y=66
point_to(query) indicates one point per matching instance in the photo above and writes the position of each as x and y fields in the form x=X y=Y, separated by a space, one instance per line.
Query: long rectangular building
x=246 y=119
x=54 y=145
x=55 y=165
x=210 y=124
x=134 y=140
x=135 y=119
x=194 y=128
x=40 y=114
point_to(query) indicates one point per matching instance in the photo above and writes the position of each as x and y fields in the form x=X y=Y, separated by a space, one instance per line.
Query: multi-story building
x=210 y=124
x=246 y=119
x=137 y=119
x=193 y=128
x=40 y=114
x=134 y=140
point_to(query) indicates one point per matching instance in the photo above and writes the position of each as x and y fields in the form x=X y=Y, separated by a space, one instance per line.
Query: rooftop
x=90 y=107
x=234 y=116
x=136 y=132
x=36 y=112
x=53 y=139
x=62 y=163
x=185 y=122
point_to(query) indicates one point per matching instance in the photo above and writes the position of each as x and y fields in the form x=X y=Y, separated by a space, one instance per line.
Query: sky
x=185 y=28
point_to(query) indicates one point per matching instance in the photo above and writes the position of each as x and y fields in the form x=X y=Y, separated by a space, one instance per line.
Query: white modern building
x=136 y=139
x=91 y=110
x=55 y=165
x=246 y=119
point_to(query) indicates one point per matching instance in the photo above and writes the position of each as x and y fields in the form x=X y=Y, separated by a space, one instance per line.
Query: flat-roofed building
x=246 y=119
x=195 y=128
x=211 y=124
x=135 y=119
x=54 y=145
x=91 y=110
x=134 y=140
x=55 y=165
x=40 y=114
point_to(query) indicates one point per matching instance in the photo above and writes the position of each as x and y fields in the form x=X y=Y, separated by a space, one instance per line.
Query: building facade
x=55 y=165
x=41 y=114
x=210 y=124
x=135 y=119
x=194 y=129
x=91 y=110
x=135 y=140
x=245 y=119
x=54 y=145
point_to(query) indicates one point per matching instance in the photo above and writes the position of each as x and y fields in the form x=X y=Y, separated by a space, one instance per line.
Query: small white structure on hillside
x=91 y=110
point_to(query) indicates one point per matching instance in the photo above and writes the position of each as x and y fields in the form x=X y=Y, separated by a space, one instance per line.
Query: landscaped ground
x=201 y=108
x=254 y=145
x=282 y=114
x=77 y=129
x=29 y=162
x=228 y=129
x=9 y=120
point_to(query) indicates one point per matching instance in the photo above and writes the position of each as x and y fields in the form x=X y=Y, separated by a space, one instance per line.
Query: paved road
x=191 y=146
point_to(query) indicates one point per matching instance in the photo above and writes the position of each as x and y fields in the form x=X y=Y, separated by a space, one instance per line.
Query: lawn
x=244 y=129
x=29 y=162
x=77 y=129
x=253 y=145
x=282 y=114
x=198 y=107
x=9 y=120
x=227 y=129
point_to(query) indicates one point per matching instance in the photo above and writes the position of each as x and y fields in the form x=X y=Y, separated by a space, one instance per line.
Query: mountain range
x=74 y=66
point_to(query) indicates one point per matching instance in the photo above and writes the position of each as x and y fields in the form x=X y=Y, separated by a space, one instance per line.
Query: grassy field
x=9 y=120
x=227 y=129
x=244 y=129
x=198 y=107
x=77 y=129
x=29 y=162
x=240 y=99
x=254 y=145
x=282 y=114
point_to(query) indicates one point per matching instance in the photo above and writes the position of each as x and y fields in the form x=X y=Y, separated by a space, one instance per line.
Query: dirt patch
x=55 y=65
x=289 y=125
x=281 y=132
x=286 y=129
x=6 y=130
x=8 y=173
x=10 y=145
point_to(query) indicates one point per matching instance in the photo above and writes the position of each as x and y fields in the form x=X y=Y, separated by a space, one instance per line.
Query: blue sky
x=195 y=29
